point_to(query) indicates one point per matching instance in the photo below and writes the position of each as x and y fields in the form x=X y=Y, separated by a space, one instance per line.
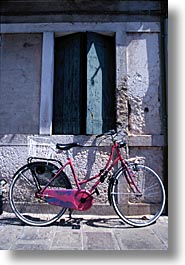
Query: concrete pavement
x=84 y=232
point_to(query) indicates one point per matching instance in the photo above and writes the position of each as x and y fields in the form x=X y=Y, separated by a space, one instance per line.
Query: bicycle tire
x=22 y=194
x=134 y=208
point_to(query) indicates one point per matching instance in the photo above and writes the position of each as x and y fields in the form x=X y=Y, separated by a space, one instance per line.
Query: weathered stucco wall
x=15 y=149
x=138 y=90
x=20 y=67
x=80 y=11
x=143 y=83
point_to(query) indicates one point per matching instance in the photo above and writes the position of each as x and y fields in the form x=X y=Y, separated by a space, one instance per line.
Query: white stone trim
x=134 y=140
x=46 y=103
x=80 y=26
x=146 y=140
x=121 y=63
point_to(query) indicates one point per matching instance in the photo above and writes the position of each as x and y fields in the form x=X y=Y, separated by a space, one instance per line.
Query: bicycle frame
x=102 y=174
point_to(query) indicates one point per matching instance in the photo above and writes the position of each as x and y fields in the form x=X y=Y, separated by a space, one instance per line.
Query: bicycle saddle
x=66 y=146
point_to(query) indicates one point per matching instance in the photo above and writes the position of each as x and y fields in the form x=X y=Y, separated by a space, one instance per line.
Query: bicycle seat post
x=68 y=154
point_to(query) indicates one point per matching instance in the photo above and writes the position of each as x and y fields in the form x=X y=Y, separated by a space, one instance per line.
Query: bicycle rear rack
x=31 y=160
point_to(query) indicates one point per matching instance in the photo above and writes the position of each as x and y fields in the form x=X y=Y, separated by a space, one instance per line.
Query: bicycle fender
x=30 y=165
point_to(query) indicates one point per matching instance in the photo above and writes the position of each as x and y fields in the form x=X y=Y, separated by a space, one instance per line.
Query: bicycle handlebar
x=110 y=132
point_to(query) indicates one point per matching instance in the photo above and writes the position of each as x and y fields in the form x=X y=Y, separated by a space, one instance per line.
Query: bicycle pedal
x=75 y=226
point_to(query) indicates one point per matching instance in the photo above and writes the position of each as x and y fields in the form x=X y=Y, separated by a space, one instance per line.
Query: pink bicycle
x=41 y=192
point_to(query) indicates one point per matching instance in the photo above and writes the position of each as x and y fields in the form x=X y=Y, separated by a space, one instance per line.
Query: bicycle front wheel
x=22 y=194
x=140 y=204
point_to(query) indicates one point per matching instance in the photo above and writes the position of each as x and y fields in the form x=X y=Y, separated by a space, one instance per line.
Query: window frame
x=47 y=77
x=46 y=113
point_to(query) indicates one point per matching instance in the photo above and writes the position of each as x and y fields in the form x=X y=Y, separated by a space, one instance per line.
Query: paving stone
x=83 y=233
x=71 y=240
x=34 y=233
x=99 y=241
x=138 y=239
x=161 y=232
x=9 y=235
x=30 y=246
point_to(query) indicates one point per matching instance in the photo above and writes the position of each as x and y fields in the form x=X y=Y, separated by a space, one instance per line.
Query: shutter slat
x=66 y=111
x=100 y=83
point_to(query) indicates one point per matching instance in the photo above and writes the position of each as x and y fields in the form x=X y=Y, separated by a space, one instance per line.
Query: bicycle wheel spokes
x=138 y=208
x=25 y=203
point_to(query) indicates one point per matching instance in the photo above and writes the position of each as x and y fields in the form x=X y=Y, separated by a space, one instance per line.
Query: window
x=84 y=84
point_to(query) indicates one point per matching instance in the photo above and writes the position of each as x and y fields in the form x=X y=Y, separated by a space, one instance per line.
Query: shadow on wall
x=87 y=156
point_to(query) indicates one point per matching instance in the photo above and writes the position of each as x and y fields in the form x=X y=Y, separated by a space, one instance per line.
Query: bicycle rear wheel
x=27 y=181
x=138 y=208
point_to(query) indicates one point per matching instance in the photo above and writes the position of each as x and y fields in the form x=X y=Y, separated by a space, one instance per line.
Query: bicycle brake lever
x=99 y=135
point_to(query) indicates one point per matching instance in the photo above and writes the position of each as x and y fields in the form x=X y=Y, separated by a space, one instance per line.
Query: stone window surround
x=50 y=30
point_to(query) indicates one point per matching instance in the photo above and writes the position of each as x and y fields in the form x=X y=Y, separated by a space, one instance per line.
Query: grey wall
x=80 y=11
x=138 y=90
x=20 y=68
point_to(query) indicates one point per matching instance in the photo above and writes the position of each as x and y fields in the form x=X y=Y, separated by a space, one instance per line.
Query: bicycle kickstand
x=70 y=213
x=76 y=223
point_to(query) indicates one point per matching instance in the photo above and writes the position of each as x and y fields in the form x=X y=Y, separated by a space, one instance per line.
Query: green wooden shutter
x=100 y=83
x=84 y=84
x=109 y=85
x=67 y=85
